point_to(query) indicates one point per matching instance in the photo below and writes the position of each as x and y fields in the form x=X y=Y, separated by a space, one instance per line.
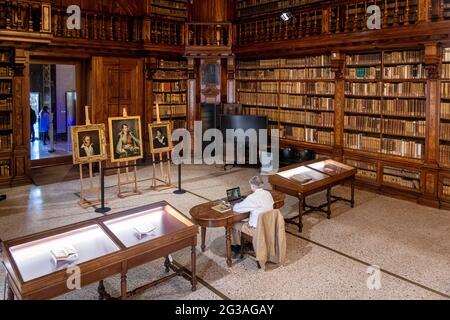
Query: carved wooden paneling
x=117 y=84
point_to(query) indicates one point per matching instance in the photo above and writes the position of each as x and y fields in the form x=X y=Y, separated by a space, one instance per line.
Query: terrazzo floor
x=329 y=260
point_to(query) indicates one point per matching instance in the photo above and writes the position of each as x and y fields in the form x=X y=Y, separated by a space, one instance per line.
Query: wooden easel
x=165 y=175
x=84 y=202
x=128 y=181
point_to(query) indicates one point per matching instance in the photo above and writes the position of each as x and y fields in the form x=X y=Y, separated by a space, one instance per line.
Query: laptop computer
x=234 y=195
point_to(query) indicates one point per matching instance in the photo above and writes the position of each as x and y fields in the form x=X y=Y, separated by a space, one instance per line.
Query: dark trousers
x=45 y=137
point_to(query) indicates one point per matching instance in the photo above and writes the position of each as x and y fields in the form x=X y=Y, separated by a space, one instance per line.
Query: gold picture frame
x=130 y=126
x=160 y=137
x=88 y=143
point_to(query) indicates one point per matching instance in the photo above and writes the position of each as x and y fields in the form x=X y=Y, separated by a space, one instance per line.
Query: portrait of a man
x=160 y=137
x=126 y=139
x=88 y=143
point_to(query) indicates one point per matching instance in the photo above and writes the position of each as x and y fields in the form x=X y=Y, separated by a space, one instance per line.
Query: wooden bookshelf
x=170 y=91
x=400 y=178
x=445 y=109
x=173 y=9
x=385 y=103
x=6 y=114
x=296 y=94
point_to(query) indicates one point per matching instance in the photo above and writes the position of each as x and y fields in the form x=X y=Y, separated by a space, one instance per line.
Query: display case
x=102 y=247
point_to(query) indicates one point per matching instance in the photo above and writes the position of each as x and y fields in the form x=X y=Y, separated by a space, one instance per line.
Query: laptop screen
x=234 y=194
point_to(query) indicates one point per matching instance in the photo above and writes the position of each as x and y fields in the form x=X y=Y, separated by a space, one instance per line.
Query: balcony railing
x=164 y=31
x=25 y=16
x=209 y=35
x=98 y=26
x=331 y=18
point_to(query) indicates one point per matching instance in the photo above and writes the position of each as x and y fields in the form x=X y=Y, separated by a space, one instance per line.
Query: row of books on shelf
x=445 y=131
x=397 y=72
x=5 y=87
x=415 y=129
x=416 y=108
x=170 y=74
x=445 y=110
x=6 y=72
x=445 y=71
x=170 y=111
x=400 y=57
x=5 y=169
x=390 y=126
x=363 y=73
x=363 y=59
x=366 y=174
x=367 y=124
x=403 y=148
x=6 y=104
x=446 y=190
x=178 y=124
x=403 y=89
x=309 y=135
x=5 y=57
x=5 y=122
x=402 y=182
x=285 y=74
x=362 y=105
x=445 y=90
x=174 y=4
x=307 y=87
x=304 y=102
x=362 y=89
x=176 y=86
x=397 y=107
x=445 y=153
x=5 y=142
x=303 y=62
x=405 y=72
x=172 y=64
x=324 y=119
x=446 y=55
x=365 y=170
x=170 y=98
x=169 y=12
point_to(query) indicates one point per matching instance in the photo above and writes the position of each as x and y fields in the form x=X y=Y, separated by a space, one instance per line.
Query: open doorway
x=53 y=110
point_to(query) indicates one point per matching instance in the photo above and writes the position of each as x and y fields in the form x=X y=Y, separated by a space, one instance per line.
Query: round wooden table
x=206 y=217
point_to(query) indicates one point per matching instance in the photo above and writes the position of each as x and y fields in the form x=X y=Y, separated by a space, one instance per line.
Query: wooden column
x=430 y=170
x=337 y=64
x=21 y=120
x=192 y=94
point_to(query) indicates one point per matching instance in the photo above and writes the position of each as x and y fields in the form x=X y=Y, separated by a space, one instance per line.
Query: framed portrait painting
x=160 y=137
x=125 y=137
x=88 y=143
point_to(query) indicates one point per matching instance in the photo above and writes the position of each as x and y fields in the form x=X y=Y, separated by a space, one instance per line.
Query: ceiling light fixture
x=286 y=16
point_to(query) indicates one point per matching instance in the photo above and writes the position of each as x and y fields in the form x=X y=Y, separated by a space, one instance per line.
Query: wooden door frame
x=81 y=88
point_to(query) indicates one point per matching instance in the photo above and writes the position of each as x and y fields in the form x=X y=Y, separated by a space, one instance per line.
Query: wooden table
x=106 y=246
x=206 y=217
x=325 y=175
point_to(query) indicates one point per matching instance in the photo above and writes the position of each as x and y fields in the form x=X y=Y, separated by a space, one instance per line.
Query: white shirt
x=260 y=201
x=89 y=150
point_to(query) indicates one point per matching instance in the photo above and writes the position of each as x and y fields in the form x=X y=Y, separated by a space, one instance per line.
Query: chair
x=271 y=231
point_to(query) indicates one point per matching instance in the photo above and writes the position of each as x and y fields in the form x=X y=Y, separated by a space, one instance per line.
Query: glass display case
x=147 y=225
x=34 y=259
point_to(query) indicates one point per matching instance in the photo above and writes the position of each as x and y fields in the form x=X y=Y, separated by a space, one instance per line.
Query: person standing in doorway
x=44 y=125
x=33 y=119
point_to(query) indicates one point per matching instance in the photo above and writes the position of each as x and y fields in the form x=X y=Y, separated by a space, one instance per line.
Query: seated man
x=260 y=201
